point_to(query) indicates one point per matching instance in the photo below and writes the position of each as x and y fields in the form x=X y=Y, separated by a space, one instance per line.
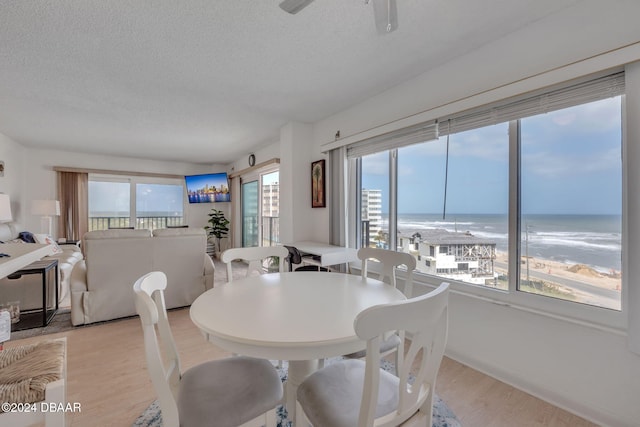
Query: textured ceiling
x=208 y=80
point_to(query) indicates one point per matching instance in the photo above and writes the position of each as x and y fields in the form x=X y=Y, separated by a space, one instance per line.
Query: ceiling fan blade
x=294 y=6
x=386 y=15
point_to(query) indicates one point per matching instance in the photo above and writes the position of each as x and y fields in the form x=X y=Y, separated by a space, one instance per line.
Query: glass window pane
x=159 y=206
x=375 y=200
x=109 y=204
x=465 y=238
x=250 y=214
x=270 y=209
x=571 y=201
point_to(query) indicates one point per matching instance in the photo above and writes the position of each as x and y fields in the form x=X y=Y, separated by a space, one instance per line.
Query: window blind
x=544 y=101
x=527 y=106
x=398 y=138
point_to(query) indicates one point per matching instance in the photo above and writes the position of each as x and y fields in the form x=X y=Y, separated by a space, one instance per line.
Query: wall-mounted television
x=208 y=188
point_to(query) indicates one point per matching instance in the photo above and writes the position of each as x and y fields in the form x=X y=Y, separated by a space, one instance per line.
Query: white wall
x=298 y=220
x=40 y=179
x=12 y=183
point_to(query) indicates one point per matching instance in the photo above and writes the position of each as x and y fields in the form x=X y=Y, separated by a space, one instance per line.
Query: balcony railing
x=142 y=222
x=270 y=230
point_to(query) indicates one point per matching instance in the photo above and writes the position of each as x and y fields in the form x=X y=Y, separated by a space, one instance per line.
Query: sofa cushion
x=27 y=237
x=46 y=239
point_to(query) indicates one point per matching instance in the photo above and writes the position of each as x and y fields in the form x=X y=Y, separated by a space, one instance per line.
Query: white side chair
x=29 y=373
x=389 y=260
x=356 y=393
x=255 y=256
x=234 y=391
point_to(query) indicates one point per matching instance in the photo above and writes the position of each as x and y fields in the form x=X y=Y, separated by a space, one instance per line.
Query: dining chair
x=256 y=257
x=233 y=391
x=358 y=393
x=295 y=257
x=35 y=373
x=389 y=261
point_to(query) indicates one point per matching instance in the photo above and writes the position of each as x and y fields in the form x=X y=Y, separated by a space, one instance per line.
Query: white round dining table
x=296 y=316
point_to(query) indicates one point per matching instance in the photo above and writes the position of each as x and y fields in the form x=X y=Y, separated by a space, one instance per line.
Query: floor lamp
x=5 y=208
x=5 y=215
x=46 y=209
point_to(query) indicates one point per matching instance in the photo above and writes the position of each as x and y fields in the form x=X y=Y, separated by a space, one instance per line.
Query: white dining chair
x=358 y=393
x=389 y=262
x=255 y=257
x=233 y=391
x=35 y=373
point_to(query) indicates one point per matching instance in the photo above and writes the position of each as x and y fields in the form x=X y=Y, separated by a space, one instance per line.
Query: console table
x=20 y=255
x=328 y=254
x=48 y=269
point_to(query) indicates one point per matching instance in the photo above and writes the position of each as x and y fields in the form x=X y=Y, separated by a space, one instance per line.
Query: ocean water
x=594 y=240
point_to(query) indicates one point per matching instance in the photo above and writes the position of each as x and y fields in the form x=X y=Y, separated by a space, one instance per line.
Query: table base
x=298 y=371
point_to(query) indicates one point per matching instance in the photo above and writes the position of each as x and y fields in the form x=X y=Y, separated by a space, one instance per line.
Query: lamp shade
x=5 y=208
x=45 y=207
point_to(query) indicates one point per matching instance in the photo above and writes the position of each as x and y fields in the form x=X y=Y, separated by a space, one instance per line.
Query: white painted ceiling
x=208 y=81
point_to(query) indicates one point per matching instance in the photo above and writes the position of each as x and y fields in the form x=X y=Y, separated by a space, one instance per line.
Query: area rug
x=442 y=415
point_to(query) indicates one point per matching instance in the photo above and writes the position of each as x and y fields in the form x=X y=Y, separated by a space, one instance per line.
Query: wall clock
x=252 y=159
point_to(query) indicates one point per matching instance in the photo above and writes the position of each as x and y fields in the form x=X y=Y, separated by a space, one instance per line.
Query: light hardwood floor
x=107 y=375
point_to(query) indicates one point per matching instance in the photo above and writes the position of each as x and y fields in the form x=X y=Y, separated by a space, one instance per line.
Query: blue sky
x=571 y=161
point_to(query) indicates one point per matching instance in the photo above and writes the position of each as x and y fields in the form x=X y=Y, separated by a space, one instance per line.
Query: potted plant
x=218 y=227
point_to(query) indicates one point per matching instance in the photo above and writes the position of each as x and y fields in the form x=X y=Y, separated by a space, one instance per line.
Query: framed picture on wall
x=318 y=193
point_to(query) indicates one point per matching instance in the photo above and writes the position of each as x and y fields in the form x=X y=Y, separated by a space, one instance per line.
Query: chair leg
x=301 y=418
x=271 y=419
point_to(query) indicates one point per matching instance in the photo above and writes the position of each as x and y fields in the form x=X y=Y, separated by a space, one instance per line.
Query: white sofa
x=102 y=284
x=28 y=288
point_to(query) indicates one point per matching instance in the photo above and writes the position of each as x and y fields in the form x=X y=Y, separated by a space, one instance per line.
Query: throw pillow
x=27 y=237
x=48 y=240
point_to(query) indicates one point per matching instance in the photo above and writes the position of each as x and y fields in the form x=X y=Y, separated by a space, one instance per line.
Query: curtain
x=73 y=193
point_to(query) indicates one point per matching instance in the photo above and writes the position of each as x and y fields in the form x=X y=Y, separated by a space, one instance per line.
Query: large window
x=531 y=205
x=375 y=200
x=136 y=202
x=571 y=203
x=453 y=208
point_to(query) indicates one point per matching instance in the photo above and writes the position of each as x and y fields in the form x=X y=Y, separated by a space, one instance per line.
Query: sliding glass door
x=250 y=209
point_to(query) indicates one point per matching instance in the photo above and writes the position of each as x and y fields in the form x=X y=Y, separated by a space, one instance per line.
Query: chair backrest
x=390 y=260
x=163 y=362
x=425 y=319
x=294 y=257
x=255 y=257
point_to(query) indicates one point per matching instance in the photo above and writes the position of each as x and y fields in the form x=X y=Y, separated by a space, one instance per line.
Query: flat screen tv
x=208 y=188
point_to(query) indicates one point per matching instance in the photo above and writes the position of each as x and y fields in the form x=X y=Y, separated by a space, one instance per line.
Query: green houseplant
x=218 y=227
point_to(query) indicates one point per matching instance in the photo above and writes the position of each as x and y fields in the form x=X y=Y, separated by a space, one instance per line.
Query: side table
x=48 y=269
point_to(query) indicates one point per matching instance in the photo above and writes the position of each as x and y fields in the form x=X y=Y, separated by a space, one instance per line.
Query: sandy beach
x=578 y=272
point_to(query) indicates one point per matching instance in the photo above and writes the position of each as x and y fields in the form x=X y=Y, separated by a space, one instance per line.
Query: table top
x=291 y=316
x=22 y=254
x=329 y=254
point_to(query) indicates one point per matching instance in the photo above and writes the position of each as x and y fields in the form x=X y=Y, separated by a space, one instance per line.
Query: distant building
x=372 y=212
x=458 y=256
x=270 y=213
x=271 y=199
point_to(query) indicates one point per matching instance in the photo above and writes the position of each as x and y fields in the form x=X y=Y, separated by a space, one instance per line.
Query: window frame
x=133 y=181
x=602 y=318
